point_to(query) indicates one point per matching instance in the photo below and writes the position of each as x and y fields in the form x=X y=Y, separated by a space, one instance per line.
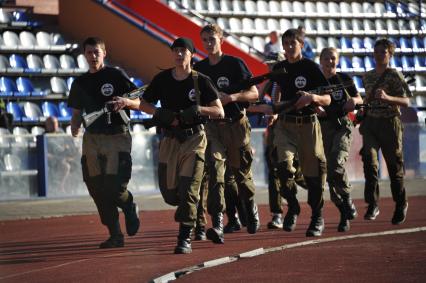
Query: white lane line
x=260 y=251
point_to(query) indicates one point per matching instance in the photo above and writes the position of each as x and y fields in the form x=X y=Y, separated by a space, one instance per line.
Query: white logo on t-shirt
x=107 y=89
x=191 y=95
x=300 y=82
x=222 y=82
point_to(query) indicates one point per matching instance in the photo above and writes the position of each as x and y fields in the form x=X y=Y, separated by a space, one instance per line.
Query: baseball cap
x=184 y=42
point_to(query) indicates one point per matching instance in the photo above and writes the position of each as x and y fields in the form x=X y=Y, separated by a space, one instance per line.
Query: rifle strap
x=339 y=78
x=196 y=86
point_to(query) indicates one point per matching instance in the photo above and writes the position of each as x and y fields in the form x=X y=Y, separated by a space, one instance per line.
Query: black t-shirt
x=303 y=75
x=226 y=75
x=340 y=96
x=91 y=91
x=178 y=95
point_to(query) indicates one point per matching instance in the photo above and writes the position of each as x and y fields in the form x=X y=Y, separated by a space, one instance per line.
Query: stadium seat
x=287 y=7
x=58 y=85
x=369 y=63
x=395 y=62
x=188 y=4
x=262 y=7
x=321 y=43
x=250 y=7
x=285 y=24
x=333 y=8
x=358 y=64
x=18 y=64
x=260 y=25
x=345 y=44
x=322 y=8
x=345 y=64
x=298 y=8
x=82 y=63
x=246 y=43
x=390 y=7
x=296 y=22
x=238 y=7
x=273 y=24
x=392 y=26
x=64 y=111
x=310 y=9
x=4 y=64
x=32 y=112
x=358 y=83
x=7 y=87
x=334 y=42
x=420 y=83
x=67 y=63
x=369 y=27
x=356 y=8
x=70 y=80
x=11 y=40
x=49 y=109
x=322 y=26
x=407 y=63
x=379 y=9
x=44 y=40
x=381 y=27
x=28 y=40
x=213 y=6
x=395 y=41
x=200 y=6
x=235 y=25
x=357 y=26
x=405 y=44
x=345 y=9
x=37 y=130
x=346 y=26
x=334 y=26
x=417 y=44
x=135 y=115
x=419 y=63
x=368 y=9
x=35 y=64
x=275 y=8
x=51 y=63
x=358 y=44
x=5 y=17
x=248 y=25
x=369 y=44
x=15 y=110
x=25 y=87
x=310 y=26
x=258 y=42
x=404 y=26
x=12 y=162
x=223 y=23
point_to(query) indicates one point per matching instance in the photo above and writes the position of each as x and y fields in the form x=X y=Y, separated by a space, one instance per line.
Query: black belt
x=112 y=130
x=298 y=119
x=179 y=131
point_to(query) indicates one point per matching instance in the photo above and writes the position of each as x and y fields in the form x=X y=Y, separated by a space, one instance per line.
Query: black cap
x=184 y=42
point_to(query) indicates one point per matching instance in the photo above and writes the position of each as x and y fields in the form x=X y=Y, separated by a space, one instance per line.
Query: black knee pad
x=124 y=167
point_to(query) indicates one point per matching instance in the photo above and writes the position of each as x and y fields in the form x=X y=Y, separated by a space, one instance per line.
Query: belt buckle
x=299 y=120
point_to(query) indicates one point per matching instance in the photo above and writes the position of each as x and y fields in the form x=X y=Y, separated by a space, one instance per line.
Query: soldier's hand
x=349 y=105
x=381 y=95
x=75 y=131
x=305 y=99
x=190 y=114
x=118 y=103
x=224 y=98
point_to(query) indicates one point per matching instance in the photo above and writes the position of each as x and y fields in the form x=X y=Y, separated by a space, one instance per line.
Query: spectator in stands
x=273 y=48
x=336 y=128
x=307 y=50
x=6 y=119
x=106 y=160
x=229 y=142
x=386 y=88
x=51 y=125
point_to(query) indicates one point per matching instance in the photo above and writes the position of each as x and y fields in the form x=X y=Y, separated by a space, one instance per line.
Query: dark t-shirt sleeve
x=349 y=84
x=151 y=92
x=245 y=72
x=208 y=91
x=76 y=93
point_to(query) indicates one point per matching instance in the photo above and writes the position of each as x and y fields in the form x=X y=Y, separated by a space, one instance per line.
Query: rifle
x=90 y=118
x=153 y=122
x=369 y=106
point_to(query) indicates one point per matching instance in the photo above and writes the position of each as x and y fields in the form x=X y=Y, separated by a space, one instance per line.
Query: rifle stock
x=90 y=118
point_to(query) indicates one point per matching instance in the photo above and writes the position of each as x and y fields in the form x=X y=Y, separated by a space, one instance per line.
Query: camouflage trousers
x=384 y=134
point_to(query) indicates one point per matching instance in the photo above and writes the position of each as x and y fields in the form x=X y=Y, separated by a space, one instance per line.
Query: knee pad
x=124 y=167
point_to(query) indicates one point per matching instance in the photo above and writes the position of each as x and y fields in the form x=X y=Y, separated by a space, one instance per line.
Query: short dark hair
x=293 y=33
x=93 y=41
x=214 y=28
x=386 y=43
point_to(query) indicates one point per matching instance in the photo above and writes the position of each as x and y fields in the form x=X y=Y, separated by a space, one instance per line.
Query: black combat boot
x=242 y=212
x=344 y=224
x=400 y=213
x=253 y=222
x=116 y=239
x=349 y=207
x=290 y=219
x=200 y=233
x=131 y=215
x=316 y=227
x=215 y=234
x=184 y=240
x=233 y=224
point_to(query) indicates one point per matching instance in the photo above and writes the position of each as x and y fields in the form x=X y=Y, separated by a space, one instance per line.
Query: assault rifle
x=90 y=118
x=153 y=122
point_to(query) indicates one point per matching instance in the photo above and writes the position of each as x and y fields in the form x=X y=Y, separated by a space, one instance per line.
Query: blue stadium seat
x=70 y=80
x=369 y=43
x=369 y=63
x=358 y=64
x=407 y=63
x=405 y=44
x=135 y=115
x=50 y=109
x=395 y=62
x=395 y=41
x=357 y=44
x=358 y=83
x=18 y=63
x=345 y=64
x=137 y=81
x=65 y=112
x=419 y=63
x=417 y=43
x=15 y=110
x=345 y=43
x=7 y=87
x=390 y=7
x=25 y=86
